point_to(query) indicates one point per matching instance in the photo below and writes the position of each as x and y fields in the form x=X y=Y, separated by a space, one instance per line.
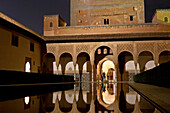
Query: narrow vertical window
x=105 y=51
x=99 y=51
x=131 y=18
x=111 y=52
x=51 y=24
x=15 y=40
x=32 y=46
x=107 y=21
x=27 y=67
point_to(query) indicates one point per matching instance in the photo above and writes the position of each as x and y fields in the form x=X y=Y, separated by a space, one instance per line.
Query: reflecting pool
x=73 y=98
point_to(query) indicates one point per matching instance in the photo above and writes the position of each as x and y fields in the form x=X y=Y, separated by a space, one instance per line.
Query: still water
x=73 y=98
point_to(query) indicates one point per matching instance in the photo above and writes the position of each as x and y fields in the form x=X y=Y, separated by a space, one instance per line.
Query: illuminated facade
x=106 y=12
x=103 y=31
x=162 y=16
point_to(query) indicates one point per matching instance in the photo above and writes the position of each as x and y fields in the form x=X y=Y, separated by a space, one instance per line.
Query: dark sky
x=30 y=12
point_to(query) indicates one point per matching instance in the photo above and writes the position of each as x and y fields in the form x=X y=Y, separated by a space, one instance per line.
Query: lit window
x=80 y=21
x=51 y=24
x=27 y=67
x=166 y=19
x=99 y=51
x=111 y=52
x=105 y=51
x=27 y=99
x=131 y=18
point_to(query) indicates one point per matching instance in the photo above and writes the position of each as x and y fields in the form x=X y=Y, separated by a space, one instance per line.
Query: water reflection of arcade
x=101 y=100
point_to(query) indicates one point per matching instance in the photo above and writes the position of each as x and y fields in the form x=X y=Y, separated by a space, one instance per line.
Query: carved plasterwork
x=163 y=46
x=125 y=47
x=65 y=49
x=145 y=46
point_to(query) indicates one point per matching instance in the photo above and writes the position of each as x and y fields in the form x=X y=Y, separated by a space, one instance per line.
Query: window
x=15 y=40
x=105 y=51
x=111 y=52
x=131 y=18
x=106 y=21
x=32 y=46
x=27 y=102
x=27 y=67
x=166 y=19
x=27 y=64
x=99 y=51
x=51 y=24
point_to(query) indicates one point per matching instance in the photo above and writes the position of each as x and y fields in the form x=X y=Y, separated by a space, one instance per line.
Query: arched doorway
x=104 y=55
x=106 y=66
x=109 y=68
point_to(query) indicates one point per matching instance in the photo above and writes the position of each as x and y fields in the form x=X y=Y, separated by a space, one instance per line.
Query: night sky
x=30 y=12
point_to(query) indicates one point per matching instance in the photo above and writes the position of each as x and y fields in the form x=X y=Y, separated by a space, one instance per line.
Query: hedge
x=16 y=77
x=159 y=76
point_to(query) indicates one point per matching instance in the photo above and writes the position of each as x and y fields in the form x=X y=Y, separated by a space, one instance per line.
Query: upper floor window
x=111 y=52
x=105 y=51
x=32 y=46
x=106 y=21
x=15 y=40
x=99 y=51
x=166 y=19
x=131 y=18
x=51 y=24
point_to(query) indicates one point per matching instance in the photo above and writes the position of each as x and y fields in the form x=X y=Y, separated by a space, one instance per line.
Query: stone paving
x=158 y=96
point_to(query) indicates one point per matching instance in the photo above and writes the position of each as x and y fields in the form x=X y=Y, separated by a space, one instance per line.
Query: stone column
x=57 y=69
x=116 y=70
x=136 y=71
x=92 y=66
x=74 y=71
x=57 y=65
x=74 y=63
x=92 y=72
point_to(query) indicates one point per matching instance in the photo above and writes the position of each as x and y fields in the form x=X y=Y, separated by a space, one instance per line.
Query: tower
x=106 y=12
x=51 y=24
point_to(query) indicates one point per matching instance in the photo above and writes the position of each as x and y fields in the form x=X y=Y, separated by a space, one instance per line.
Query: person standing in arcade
x=103 y=77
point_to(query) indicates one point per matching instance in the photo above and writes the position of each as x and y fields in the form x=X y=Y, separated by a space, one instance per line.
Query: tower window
x=131 y=18
x=51 y=24
x=106 y=21
x=166 y=19
x=15 y=40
